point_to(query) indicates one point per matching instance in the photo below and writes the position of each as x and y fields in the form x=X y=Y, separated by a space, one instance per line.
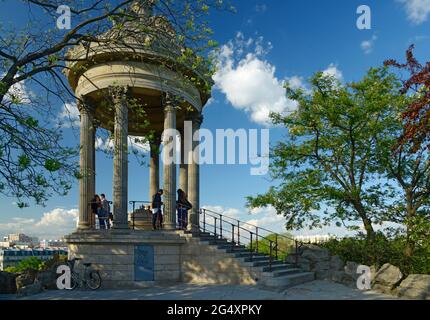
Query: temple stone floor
x=316 y=290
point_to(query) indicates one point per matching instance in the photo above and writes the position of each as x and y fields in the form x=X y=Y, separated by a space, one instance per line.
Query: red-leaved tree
x=416 y=133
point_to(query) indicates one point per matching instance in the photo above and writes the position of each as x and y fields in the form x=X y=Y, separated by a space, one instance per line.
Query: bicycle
x=91 y=278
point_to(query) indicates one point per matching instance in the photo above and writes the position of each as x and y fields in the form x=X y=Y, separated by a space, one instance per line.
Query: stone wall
x=177 y=258
x=113 y=255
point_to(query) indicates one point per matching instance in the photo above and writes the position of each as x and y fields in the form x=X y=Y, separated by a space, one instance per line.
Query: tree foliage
x=328 y=162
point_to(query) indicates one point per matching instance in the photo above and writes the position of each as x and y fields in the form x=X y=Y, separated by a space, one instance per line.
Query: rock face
x=318 y=260
x=387 y=278
x=7 y=283
x=48 y=279
x=415 y=286
x=31 y=289
x=24 y=280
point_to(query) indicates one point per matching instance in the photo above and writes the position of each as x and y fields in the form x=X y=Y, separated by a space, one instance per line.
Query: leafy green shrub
x=384 y=249
x=285 y=245
x=30 y=264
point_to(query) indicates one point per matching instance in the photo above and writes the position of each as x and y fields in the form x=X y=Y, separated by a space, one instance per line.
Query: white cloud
x=261 y=8
x=19 y=92
x=69 y=116
x=368 y=45
x=333 y=70
x=249 y=81
x=416 y=10
x=134 y=143
x=266 y=218
x=52 y=225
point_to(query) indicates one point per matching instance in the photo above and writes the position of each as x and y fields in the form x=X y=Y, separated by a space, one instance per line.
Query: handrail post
x=232 y=237
x=134 y=210
x=238 y=232
x=220 y=225
x=256 y=239
x=276 y=247
x=204 y=220
x=296 y=253
x=270 y=255
x=215 y=232
x=251 y=250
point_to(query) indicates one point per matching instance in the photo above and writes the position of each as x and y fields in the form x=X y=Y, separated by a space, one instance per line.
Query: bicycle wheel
x=94 y=281
x=74 y=281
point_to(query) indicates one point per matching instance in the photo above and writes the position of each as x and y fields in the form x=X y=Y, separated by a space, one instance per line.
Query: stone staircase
x=271 y=274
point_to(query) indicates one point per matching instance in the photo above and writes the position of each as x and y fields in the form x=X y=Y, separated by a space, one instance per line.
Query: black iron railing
x=133 y=203
x=240 y=233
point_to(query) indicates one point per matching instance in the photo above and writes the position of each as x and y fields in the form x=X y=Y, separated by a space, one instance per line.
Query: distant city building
x=52 y=244
x=5 y=244
x=11 y=257
x=22 y=239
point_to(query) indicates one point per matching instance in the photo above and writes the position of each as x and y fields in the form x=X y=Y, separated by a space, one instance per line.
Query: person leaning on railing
x=183 y=205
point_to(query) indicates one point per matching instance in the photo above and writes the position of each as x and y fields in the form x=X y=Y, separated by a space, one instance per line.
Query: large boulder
x=351 y=269
x=336 y=264
x=386 y=279
x=7 y=283
x=48 y=279
x=415 y=286
x=31 y=289
x=344 y=278
x=322 y=270
x=315 y=254
x=23 y=280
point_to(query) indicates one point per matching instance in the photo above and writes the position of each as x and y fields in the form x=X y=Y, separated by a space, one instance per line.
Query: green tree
x=30 y=264
x=329 y=163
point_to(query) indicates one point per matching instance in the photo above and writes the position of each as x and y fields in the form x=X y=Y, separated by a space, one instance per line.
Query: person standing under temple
x=183 y=205
x=157 y=214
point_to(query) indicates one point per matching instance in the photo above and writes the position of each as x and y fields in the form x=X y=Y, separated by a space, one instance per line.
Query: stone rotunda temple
x=131 y=84
x=131 y=81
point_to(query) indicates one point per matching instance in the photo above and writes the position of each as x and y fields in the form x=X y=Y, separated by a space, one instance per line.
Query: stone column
x=183 y=168
x=86 y=162
x=154 y=166
x=169 y=159
x=120 y=160
x=93 y=130
x=194 y=176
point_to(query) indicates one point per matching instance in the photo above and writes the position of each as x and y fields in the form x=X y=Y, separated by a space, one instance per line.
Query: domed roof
x=137 y=35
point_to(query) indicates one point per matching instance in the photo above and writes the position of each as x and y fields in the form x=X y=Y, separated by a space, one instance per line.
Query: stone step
x=231 y=249
x=256 y=258
x=282 y=272
x=246 y=254
x=279 y=267
x=264 y=263
x=289 y=280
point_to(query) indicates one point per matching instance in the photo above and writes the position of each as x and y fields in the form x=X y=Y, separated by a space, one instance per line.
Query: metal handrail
x=254 y=237
x=249 y=224
x=133 y=203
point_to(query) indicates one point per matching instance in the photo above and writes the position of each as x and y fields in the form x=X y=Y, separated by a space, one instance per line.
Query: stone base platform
x=129 y=259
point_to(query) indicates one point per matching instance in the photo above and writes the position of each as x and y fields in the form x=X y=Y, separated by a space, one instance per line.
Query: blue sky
x=290 y=40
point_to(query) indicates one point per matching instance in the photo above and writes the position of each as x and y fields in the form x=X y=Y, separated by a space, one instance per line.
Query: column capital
x=118 y=92
x=170 y=102
x=85 y=106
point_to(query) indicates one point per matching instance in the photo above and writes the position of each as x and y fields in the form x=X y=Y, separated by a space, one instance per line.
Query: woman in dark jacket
x=183 y=205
